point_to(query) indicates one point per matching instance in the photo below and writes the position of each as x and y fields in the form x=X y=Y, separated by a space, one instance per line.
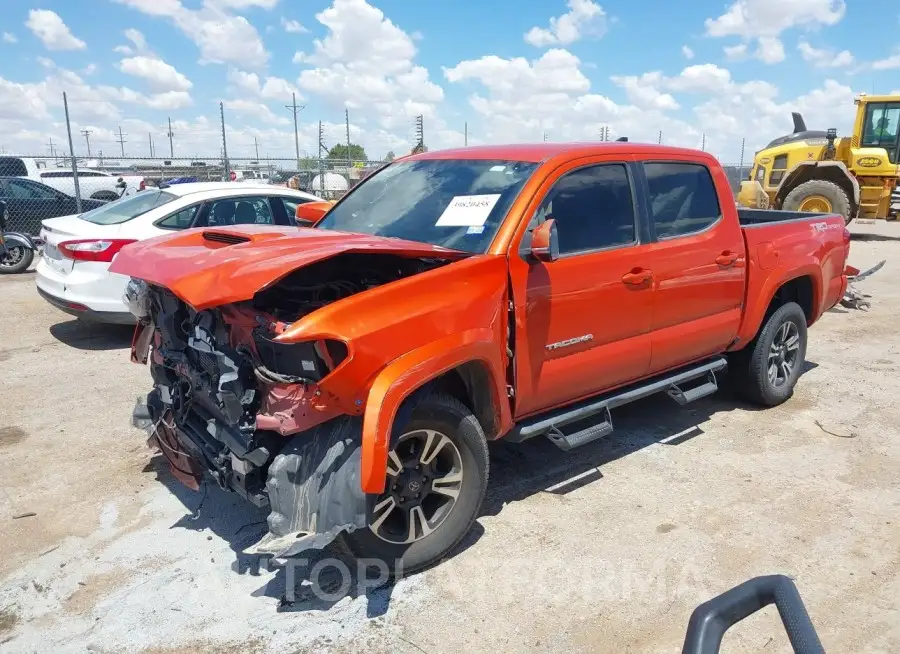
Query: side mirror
x=310 y=213
x=545 y=242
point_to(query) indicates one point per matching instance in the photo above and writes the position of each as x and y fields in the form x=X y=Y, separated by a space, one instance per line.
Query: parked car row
x=93 y=184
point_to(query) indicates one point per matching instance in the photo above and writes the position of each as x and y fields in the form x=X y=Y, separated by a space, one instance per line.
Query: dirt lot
x=678 y=505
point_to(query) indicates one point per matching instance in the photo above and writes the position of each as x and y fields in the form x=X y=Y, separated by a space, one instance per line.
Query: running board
x=577 y=425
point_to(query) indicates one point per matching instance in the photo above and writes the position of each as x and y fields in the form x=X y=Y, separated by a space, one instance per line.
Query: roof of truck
x=541 y=151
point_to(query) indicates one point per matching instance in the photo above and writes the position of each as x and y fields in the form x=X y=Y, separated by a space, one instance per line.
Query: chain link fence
x=37 y=187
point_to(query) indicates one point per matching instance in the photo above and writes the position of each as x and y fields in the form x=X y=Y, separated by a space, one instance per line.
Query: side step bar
x=588 y=420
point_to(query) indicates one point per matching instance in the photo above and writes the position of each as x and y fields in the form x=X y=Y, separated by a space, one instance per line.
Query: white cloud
x=756 y=18
x=824 y=58
x=255 y=109
x=687 y=52
x=160 y=75
x=222 y=37
x=273 y=88
x=736 y=52
x=643 y=91
x=9 y=37
x=292 y=26
x=584 y=18
x=888 y=63
x=770 y=50
x=367 y=64
x=52 y=31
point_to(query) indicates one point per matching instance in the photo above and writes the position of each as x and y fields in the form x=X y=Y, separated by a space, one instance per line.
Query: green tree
x=339 y=151
x=389 y=156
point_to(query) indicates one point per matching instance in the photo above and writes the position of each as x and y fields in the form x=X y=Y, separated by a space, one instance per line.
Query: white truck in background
x=93 y=184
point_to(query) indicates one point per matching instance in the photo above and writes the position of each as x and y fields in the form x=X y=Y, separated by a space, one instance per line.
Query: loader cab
x=881 y=127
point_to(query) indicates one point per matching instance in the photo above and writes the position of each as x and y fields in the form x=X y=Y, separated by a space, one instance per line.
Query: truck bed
x=750 y=217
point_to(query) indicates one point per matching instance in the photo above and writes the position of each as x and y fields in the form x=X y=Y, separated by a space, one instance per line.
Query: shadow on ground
x=317 y=580
x=864 y=236
x=92 y=336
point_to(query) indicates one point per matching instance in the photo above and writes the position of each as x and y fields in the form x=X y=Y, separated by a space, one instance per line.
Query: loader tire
x=441 y=442
x=766 y=371
x=817 y=196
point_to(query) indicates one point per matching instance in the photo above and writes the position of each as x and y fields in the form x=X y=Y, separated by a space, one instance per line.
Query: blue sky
x=512 y=70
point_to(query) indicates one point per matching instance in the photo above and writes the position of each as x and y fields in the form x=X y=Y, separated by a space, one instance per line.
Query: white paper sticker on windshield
x=467 y=211
x=498 y=169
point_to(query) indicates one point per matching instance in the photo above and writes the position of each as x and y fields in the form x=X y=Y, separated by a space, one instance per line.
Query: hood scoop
x=225 y=237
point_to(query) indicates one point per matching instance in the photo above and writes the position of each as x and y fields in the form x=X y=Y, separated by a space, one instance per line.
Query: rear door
x=581 y=327
x=698 y=262
x=30 y=202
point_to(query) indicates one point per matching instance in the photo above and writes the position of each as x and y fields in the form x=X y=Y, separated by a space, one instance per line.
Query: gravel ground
x=605 y=549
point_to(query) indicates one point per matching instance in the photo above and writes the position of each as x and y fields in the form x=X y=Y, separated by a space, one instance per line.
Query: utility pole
x=256 y=145
x=741 y=168
x=347 y=122
x=122 y=140
x=294 y=108
x=87 y=137
x=322 y=149
x=420 y=133
x=224 y=146
x=52 y=153
x=72 y=150
x=171 y=134
x=659 y=140
x=150 y=138
x=703 y=143
x=545 y=137
x=466 y=134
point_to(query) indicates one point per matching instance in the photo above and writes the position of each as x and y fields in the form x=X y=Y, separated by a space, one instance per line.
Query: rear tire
x=830 y=191
x=16 y=260
x=780 y=347
x=466 y=453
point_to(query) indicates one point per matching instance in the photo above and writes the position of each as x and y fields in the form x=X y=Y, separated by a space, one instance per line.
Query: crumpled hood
x=214 y=266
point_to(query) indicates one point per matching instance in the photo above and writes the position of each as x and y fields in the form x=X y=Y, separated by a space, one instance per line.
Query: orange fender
x=399 y=379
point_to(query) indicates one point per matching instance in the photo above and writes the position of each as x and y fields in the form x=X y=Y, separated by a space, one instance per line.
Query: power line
x=122 y=140
x=295 y=109
x=171 y=135
x=87 y=137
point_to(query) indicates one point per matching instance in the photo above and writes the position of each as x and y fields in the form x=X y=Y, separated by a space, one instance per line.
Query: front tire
x=819 y=196
x=766 y=371
x=436 y=481
x=16 y=260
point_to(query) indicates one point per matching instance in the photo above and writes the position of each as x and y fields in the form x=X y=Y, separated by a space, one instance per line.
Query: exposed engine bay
x=222 y=386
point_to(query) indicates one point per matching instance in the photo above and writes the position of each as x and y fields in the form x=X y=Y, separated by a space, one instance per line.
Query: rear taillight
x=143 y=185
x=93 y=249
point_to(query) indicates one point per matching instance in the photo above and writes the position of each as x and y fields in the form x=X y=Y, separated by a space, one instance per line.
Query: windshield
x=121 y=211
x=454 y=203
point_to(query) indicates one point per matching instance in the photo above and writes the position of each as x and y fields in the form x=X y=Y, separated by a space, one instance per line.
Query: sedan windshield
x=454 y=203
x=127 y=208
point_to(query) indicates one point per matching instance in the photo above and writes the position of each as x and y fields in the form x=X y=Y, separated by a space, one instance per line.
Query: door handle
x=727 y=258
x=637 y=277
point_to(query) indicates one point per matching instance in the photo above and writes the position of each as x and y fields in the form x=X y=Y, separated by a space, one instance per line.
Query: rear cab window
x=682 y=198
x=128 y=208
x=12 y=167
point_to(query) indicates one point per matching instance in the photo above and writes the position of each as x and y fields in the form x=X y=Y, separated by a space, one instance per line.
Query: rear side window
x=55 y=174
x=128 y=208
x=683 y=198
x=592 y=208
x=180 y=219
x=12 y=167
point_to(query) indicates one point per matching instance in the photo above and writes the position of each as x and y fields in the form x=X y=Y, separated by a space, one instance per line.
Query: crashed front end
x=226 y=398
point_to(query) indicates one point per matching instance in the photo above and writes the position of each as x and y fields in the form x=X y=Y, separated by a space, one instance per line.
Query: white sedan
x=73 y=273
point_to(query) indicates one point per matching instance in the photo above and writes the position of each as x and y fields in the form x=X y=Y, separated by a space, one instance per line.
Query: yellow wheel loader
x=811 y=170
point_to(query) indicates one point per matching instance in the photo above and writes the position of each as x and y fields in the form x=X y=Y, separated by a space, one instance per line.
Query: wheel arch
x=828 y=171
x=803 y=286
x=466 y=365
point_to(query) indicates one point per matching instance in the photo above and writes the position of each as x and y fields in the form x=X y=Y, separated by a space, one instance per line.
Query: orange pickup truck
x=349 y=375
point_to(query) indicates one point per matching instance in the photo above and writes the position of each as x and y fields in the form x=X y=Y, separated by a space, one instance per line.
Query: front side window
x=128 y=208
x=290 y=205
x=452 y=203
x=592 y=207
x=683 y=198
